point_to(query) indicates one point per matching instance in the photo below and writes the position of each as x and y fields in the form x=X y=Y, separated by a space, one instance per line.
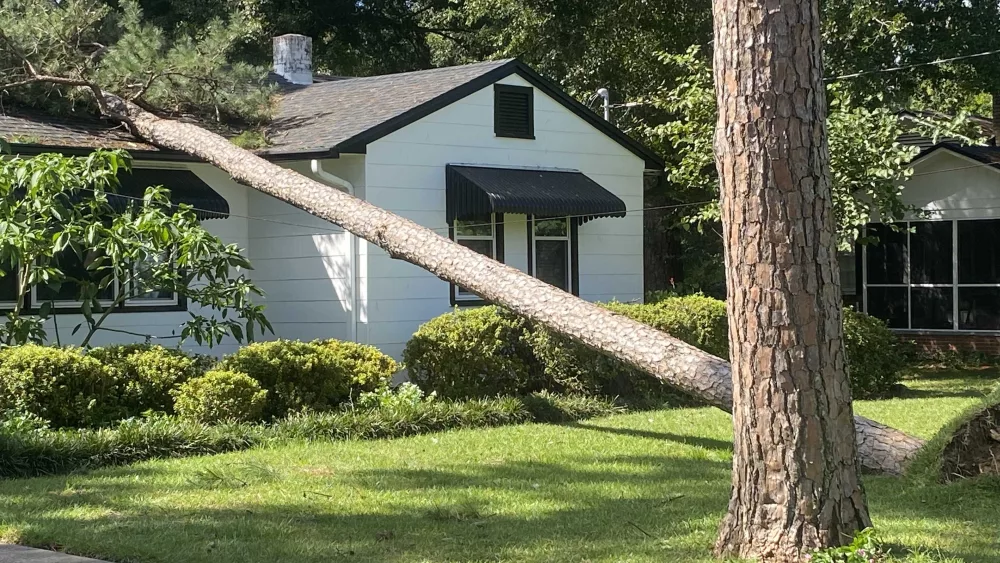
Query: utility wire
x=907 y=67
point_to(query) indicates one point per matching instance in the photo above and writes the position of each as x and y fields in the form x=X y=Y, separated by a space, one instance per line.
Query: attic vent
x=513 y=111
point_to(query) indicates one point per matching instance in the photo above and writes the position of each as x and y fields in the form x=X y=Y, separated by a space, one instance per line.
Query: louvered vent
x=513 y=111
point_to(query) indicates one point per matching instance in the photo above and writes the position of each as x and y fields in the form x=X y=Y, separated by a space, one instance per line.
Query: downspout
x=352 y=322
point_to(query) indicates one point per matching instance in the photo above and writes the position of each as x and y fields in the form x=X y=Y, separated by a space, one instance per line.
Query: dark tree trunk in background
x=795 y=471
x=661 y=247
x=996 y=118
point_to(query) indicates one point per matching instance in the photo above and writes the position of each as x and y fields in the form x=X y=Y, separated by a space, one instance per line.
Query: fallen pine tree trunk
x=881 y=449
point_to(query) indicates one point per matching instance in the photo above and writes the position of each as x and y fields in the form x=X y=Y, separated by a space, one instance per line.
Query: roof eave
x=164 y=155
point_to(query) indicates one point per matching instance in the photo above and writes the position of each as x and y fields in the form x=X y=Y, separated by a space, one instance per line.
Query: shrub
x=866 y=548
x=481 y=352
x=370 y=369
x=296 y=375
x=220 y=396
x=59 y=385
x=28 y=449
x=695 y=319
x=875 y=356
x=405 y=396
x=145 y=375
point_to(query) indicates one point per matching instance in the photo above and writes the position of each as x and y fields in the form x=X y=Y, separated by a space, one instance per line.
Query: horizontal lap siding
x=950 y=186
x=302 y=262
x=405 y=173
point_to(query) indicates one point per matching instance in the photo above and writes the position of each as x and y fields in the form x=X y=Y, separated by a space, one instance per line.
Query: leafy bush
x=28 y=450
x=406 y=395
x=296 y=375
x=370 y=369
x=695 y=319
x=481 y=352
x=866 y=548
x=220 y=396
x=875 y=356
x=59 y=385
x=145 y=375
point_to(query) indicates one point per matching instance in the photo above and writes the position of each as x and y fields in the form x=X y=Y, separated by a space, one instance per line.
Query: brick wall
x=989 y=344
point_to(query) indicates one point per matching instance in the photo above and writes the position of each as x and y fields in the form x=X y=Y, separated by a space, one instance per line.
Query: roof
x=911 y=137
x=333 y=115
x=475 y=191
x=987 y=154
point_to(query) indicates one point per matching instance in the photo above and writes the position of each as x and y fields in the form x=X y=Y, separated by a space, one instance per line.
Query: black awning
x=185 y=187
x=474 y=191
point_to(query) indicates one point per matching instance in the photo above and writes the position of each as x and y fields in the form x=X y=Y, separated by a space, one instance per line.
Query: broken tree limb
x=881 y=449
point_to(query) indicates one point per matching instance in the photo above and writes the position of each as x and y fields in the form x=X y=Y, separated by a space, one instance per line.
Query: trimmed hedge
x=58 y=385
x=317 y=376
x=488 y=351
x=468 y=353
x=220 y=396
x=146 y=375
x=27 y=451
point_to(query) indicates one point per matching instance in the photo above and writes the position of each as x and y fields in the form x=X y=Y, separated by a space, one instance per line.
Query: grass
x=638 y=487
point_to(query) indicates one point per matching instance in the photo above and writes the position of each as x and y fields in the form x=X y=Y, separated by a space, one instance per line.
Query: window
x=67 y=293
x=513 y=111
x=8 y=288
x=484 y=234
x=552 y=251
x=934 y=275
x=143 y=293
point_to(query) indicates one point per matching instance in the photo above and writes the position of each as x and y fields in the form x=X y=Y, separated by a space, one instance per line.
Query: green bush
x=59 y=385
x=875 y=356
x=296 y=375
x=370 y=369
x=145 y=375
x=28 y=449
x=695 y=319
x=220 y=396
x=481 y=352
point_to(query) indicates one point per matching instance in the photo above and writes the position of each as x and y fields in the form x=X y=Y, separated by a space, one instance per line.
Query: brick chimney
x=293 y=58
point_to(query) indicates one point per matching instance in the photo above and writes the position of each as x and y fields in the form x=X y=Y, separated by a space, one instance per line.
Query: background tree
x=795 y=472
x=57 y=214
x=57 y=59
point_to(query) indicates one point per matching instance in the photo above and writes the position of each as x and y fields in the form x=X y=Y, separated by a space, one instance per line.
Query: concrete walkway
x=21 y=554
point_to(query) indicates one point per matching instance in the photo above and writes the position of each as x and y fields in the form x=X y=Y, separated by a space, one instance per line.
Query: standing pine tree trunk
x=795 y=470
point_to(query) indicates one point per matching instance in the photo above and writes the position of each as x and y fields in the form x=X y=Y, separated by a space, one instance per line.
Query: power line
x=907 y=67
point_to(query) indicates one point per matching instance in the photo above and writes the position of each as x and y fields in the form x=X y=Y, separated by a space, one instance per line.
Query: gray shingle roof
x=324 y=115
x=29 y=127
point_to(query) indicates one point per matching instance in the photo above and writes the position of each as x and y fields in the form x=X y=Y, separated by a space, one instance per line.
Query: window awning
x=474 y=191
x=185 y=187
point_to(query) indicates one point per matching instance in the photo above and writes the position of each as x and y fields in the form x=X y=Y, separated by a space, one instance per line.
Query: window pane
x=848 y=273
x=476 y=227
x=979 y=308
x=73 y=267
x=8 y=288
x=888 y=304
x=930 y=252
x=932 y=307
x=484 y=247
x=552 y=262
x=551 y=228
x=979 y=251
x=886 y=259
x=143 y=289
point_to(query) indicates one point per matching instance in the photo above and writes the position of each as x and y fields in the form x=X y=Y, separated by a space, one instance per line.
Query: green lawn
x=637 y=487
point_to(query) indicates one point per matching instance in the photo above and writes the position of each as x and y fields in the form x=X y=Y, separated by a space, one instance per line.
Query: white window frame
x=456 y=290
x=569 y=247
x=955 y=285
x=134 y=301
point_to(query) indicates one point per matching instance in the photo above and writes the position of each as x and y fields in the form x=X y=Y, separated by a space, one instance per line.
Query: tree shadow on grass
x=708 y=443
x=517 y=511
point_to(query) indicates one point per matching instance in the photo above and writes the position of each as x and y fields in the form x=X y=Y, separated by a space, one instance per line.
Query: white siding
x=302 y=262
x=405 y=173
x=951 y=186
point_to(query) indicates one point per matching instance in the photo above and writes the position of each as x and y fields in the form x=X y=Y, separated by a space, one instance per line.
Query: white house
x=938 y=281
x=491 y=154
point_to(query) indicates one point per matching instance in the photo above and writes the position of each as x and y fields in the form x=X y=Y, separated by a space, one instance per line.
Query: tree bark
x=796 y=484
x=676 y=363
